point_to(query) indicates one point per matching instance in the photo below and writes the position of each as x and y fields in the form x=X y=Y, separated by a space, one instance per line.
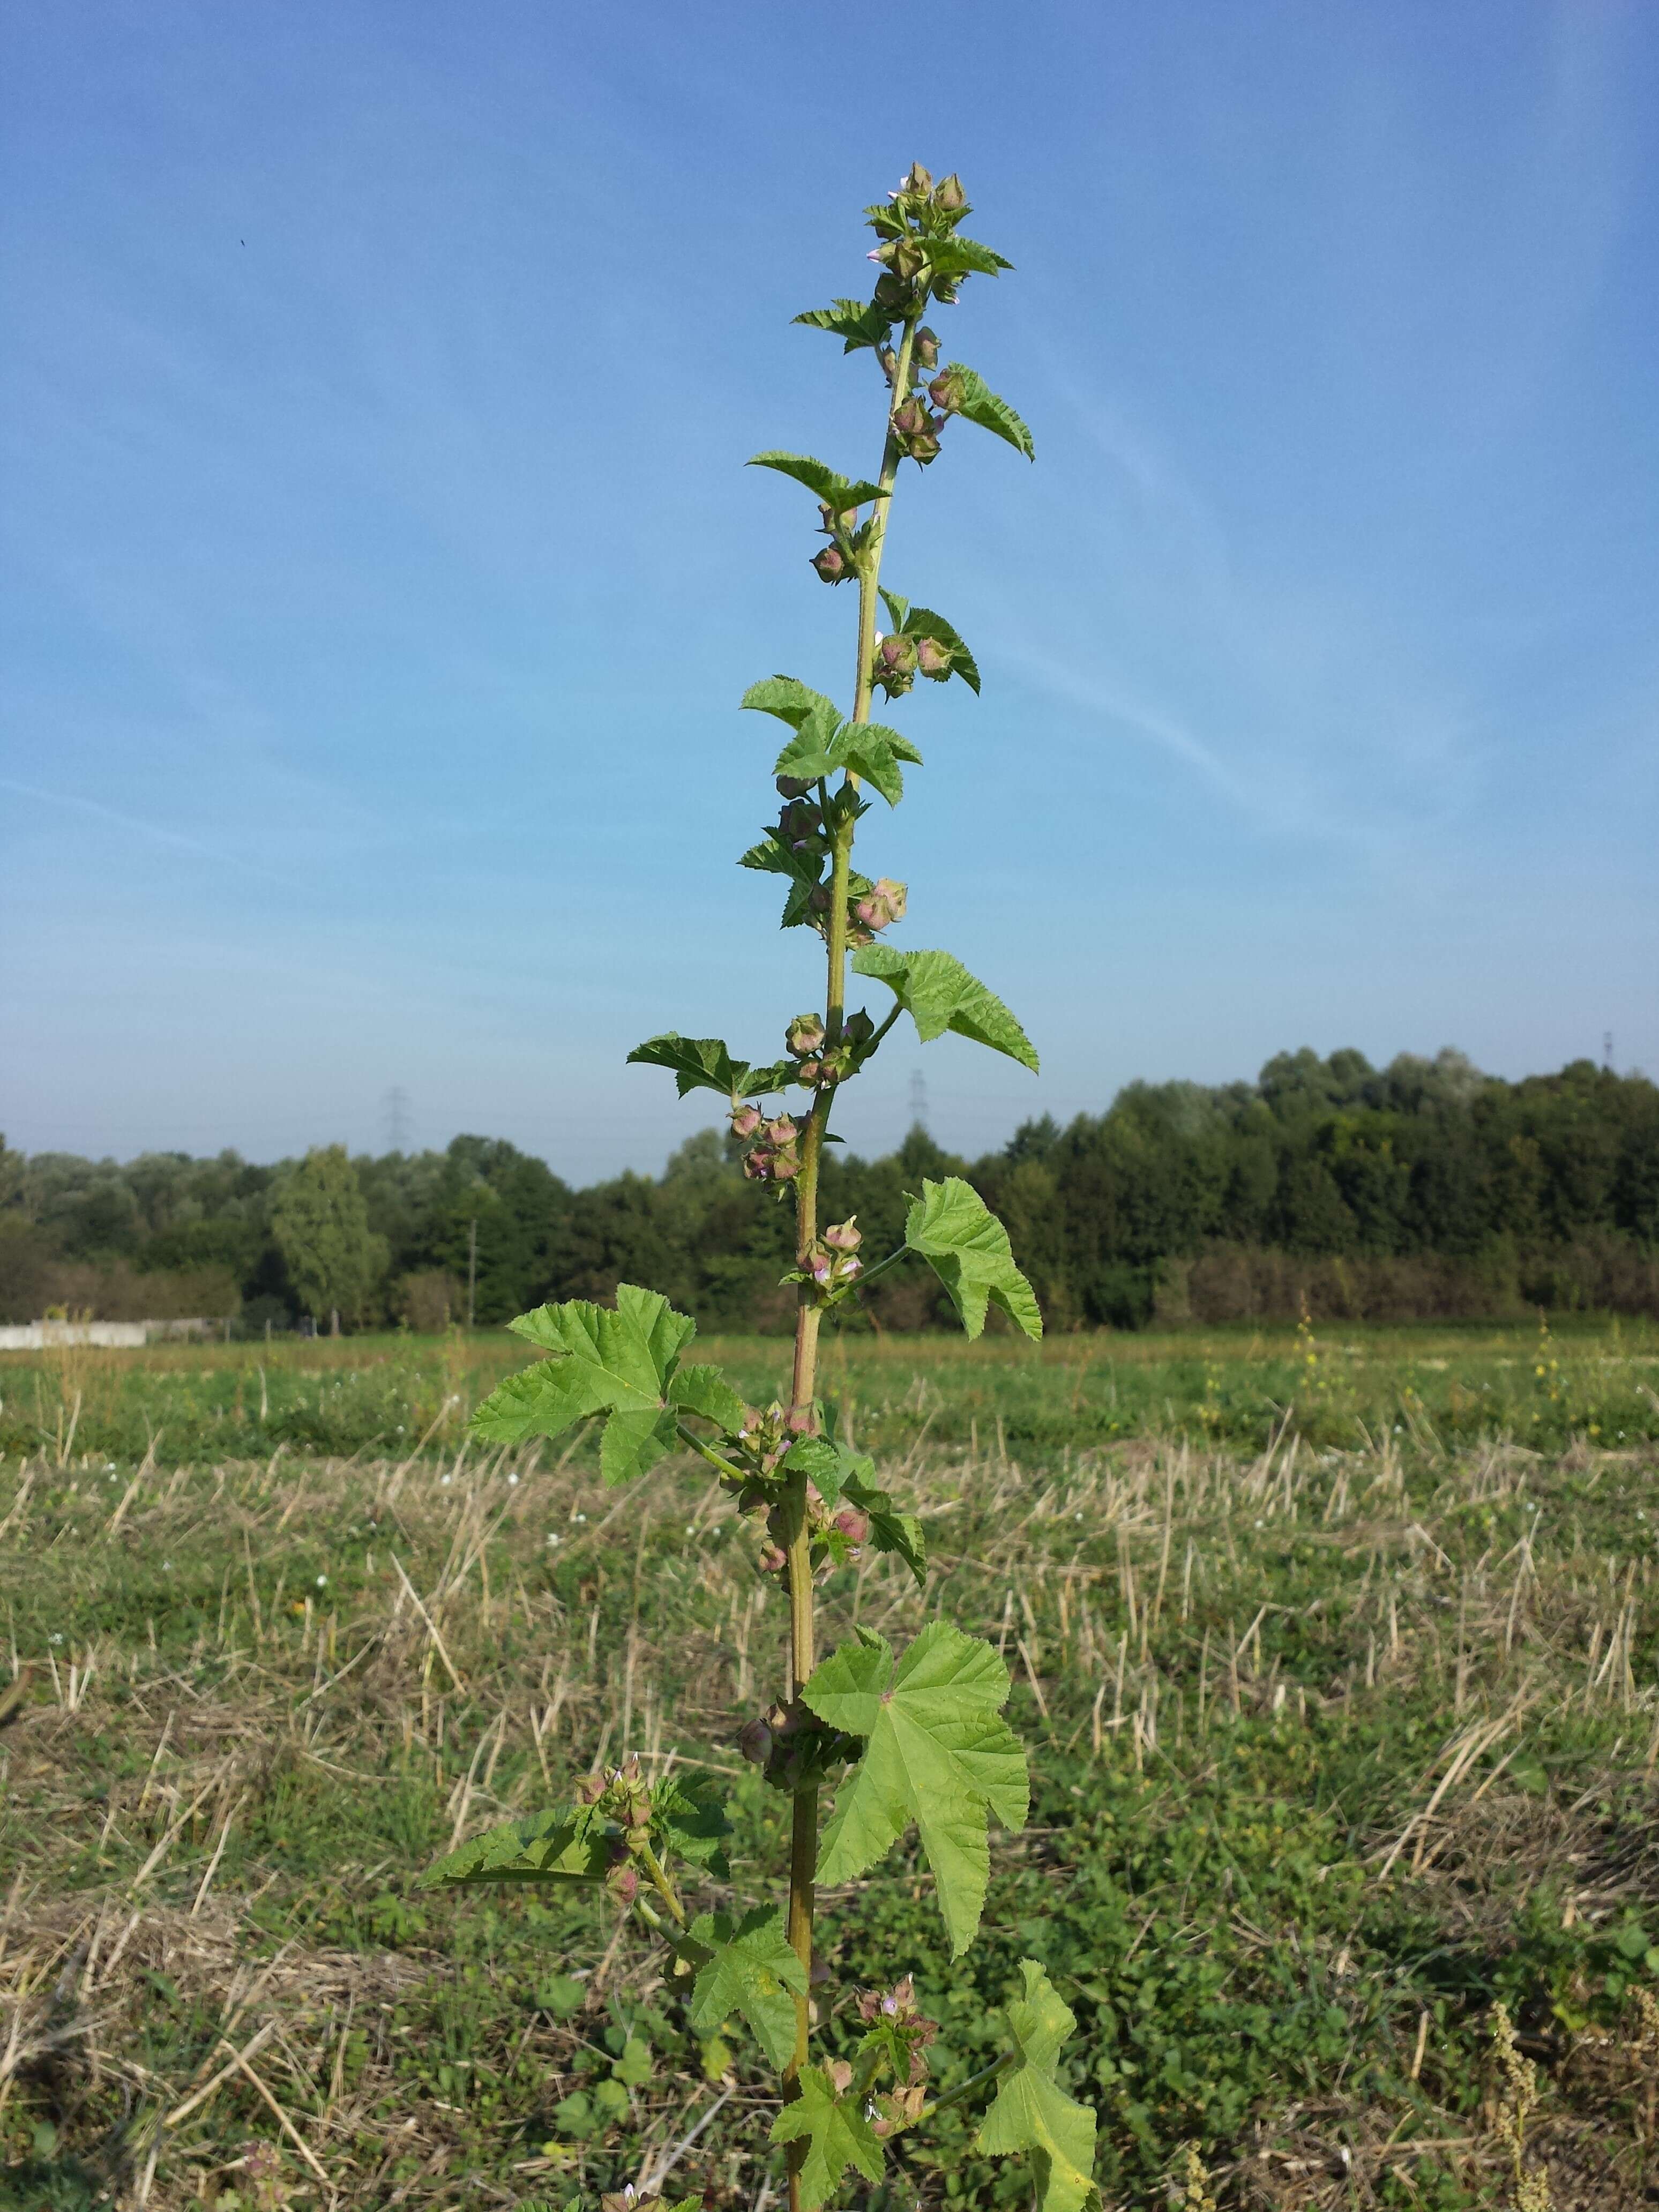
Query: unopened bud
x=758 y=1165
x=783 y=1130
x=906 y=258
x=858 y=1028
x=745 y=1119
x=800 y=1421
x=853 y=1524
x=889 y=360
x=910 y=419
x=926 y=349
x=918 y=180
x=590 y=1789
x=896 y=655
x=946 y=391
x=932 y=659
x=786 y=1166
x=884 y=902
x=793 y=787
x=804 y=1034
x=893 y=293
x=832 y=564
x=754 y=1742
x=948 y=195
x=772 y=1560
x=623 y=1883
x=843 y=1235
x=815 y=1072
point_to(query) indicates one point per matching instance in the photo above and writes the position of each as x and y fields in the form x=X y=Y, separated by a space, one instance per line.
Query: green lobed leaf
x=962 y=256
x=837 y=2133
x=1032 y=2113
x=858 y=321
x=570 y=1844
x=938 y=993
x=688 y=1818
x=822 y=1462
x=951 y=1226
x=832 y=487
x=705 y=1390
x=790 y=700
x=704 y=1063
x=980 y=404
x=696 y=1063
x=896 y=607
x=747 y=1967
x=616 y=1363
x=866 y=748
x=937 y=1752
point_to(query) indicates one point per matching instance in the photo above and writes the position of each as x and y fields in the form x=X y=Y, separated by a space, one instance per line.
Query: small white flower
x=322 y=1581
x=555 y=1539
x=581 y=1517
x=511 y=1481
x=58 y=1638
x=443 y=1482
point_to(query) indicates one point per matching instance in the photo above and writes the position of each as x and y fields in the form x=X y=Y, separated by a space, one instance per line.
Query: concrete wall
x=38 y=1336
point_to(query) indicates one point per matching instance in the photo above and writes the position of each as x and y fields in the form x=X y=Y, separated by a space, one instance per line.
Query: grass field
x=1336 y=1653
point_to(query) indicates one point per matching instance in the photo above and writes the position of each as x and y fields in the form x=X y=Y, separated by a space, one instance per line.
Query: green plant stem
x=964 y=2089
x=703 y=1451
x=659 y=1879
x=803 y=1823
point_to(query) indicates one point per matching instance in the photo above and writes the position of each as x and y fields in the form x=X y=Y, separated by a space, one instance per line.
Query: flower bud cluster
x=900 y=658
x=623 y=1796
x=918 y=210
x=916 y=430
x=793 y=1747
x=773 y=1146
x=870 y=907
x=801 y=822
x=838 y=560
x=901 y=2032
x=882 y=904
x=833 y=1263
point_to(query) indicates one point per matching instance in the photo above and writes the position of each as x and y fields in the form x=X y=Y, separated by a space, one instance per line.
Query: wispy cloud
x=159 y=831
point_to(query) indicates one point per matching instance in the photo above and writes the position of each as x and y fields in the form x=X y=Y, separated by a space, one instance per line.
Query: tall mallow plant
x=900 y=1739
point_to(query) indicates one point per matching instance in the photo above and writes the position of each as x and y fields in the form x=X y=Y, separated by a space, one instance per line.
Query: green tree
x=320 y=1223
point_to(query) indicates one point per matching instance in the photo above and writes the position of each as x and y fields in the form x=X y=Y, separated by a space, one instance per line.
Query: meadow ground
x=1335 y=1652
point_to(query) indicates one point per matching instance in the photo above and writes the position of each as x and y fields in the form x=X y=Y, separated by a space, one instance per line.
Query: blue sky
x=381 y=575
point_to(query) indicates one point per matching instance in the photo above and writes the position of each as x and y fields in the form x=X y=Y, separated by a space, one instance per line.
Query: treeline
x=1423 y=1188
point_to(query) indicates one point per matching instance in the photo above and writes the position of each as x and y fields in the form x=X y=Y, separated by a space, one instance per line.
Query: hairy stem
x=804 y=1826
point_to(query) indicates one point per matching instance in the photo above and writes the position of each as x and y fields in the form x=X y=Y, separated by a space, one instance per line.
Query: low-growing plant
x=914 y=1738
